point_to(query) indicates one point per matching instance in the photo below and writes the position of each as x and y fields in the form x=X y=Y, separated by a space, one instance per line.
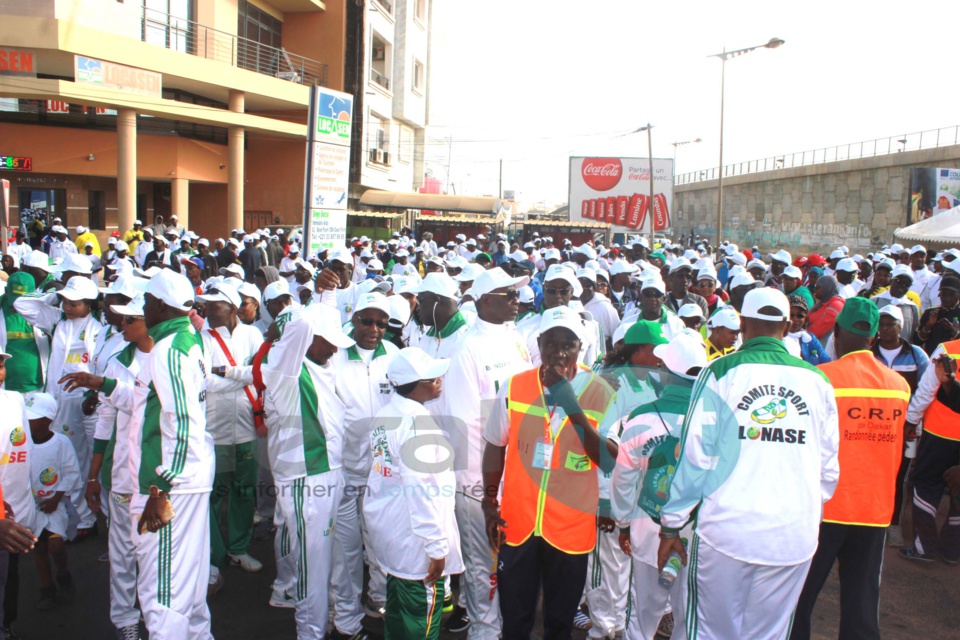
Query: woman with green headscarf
x=27 y=345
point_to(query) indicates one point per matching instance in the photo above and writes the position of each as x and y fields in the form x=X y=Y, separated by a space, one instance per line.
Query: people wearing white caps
x=848 y=277
x=409 y=501
x=232 y=408
x=429 y=246
x=61 y=245
x=544 y=437
x=650 y=436
x=362 y=385
x=84 y=236
x=692 y=316
x=341 y=263
x=491 y=352
x=650 y=306
x=143 y=248
x=761 y=413
x=161 y=256
x=73 y=329
x=901 y=294
x=445 y=324
x=288 y=265
x=599 y=306
x=918 y=264
x=723 y=333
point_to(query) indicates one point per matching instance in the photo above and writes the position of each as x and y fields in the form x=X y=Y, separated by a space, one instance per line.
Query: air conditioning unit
x=379 y=53
x=376 y=156
x=386 y=157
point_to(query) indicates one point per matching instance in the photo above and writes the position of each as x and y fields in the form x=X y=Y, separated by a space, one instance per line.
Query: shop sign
x=116 y=76
x=18 y=63
x=16 y=163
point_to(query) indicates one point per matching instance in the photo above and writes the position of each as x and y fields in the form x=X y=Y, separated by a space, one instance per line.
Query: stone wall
x=857 y=203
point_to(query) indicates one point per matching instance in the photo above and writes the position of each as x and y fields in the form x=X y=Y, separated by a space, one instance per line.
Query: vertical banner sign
x=617 y=190
x=5 y=218
x=327 y=170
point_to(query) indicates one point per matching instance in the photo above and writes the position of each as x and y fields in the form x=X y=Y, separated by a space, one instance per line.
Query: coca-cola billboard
x=617 y=190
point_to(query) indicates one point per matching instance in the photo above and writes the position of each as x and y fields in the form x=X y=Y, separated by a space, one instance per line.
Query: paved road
x=919 y=601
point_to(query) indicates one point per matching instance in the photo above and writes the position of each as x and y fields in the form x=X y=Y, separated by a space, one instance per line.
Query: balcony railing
x=196 y=39
x=931 y=139
x=380 y=79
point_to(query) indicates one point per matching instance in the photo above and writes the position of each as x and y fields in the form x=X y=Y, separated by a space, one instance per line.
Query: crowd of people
x=670 y=441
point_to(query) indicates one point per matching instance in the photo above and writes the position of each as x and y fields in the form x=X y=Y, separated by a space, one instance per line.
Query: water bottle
x=672 y=568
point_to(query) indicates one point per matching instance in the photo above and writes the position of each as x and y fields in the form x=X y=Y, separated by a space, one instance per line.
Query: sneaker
x=281 y=600
x=129 y=633
x=894 y=536
x=374 y=609
x=458 y=621
x=215 y=584
x=246 y=562
x=582 y=620
x=48 y=598
x=65 y=583
x=336 y=634
x=911 y=553
x=948 y=560
x=665 y=628
x=448 y=604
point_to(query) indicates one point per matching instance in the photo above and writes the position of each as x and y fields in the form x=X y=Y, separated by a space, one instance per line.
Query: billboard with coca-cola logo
x=617 y=190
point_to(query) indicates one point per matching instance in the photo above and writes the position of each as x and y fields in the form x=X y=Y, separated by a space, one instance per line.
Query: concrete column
x=180 y=200
x=235 y=166
x=126 y=169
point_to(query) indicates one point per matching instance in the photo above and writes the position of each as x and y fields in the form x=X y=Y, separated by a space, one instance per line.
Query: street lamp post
x=680 y=144
x=648 y=128
x=724 y=56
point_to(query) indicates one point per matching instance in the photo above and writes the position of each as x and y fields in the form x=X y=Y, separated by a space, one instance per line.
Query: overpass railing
x=931 y=139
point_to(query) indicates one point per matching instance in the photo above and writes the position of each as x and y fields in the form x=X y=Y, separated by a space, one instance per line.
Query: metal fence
x=190 y=37
x=881 y=146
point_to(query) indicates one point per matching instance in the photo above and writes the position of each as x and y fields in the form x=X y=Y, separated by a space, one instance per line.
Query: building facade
x=112 y=111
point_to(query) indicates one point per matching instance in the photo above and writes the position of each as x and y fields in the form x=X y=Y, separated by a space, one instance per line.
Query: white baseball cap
x=120 y=246
x=918 y=248
x=683 y=353
x=275 y=290
x=81 y=229
x=837 y=254
x=587 y=250
x=781 y=256
x=438 y=283
x=493 y=279
x=111 y=240
x=706 y=274
x=690 y=310
x=224 y=293
x=587 y=274
x=413 y=364
x=680 y=263
x=742 y=279
x=527 y=296
x=894 y=312
x=562 y=317
x=173 y=289
x=552 y=254
x=405 y=284
x=469 y=273
x=726 y=317
x=560 y=272
x=343 y=255
x=249 y=290
x=124 y=285
x=148 y=273
x=232 y=270
x=756 y=263
x=766 y=297
x=622 y=266
x=76 y=263
x=373 y=300
x=40 y=405
x=132 y=308
x=887 y=263
x=80 y=288
x=652 y=281
x=375 y=265
x=902 y=270
x=737 y=258
x=325 y=322
x=848 y=265
x=793 y=272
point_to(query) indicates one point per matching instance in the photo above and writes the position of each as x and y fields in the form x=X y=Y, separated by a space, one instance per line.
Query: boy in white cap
x=692 y=316
x=74 y=329
x=409 y=504
x=54 y=474
x=724 y=328
x=641 y=481
x=304 y=419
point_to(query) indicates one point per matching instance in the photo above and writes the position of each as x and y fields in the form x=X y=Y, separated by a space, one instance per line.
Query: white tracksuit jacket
x=409 y=504
x=759 y=454
x=229 y=410
x=16 y=445
x=115 y=415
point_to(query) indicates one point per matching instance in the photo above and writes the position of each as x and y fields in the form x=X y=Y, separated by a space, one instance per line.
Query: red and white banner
x=617 y=190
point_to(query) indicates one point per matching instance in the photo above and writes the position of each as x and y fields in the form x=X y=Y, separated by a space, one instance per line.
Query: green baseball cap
x=859 y=310
x=645 y=332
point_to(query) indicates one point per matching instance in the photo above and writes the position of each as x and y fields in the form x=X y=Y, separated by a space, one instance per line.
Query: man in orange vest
x=543 y=442
x=872 y=404
x=938 y=451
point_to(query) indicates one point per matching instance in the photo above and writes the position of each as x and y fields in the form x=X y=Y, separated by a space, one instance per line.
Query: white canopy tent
x=940 y=231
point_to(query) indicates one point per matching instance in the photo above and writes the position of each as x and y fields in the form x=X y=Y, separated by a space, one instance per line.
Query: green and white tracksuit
x=363 y=387
x=304 y=419
x=71 y=351
x=172 y=450
x=759 y=457
x=643 y=472
x=409 y=510
x=230 y=422
x=16 y=446
x=117 y=478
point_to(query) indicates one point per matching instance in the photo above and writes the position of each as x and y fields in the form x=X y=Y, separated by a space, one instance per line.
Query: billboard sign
x=617 y=191
x=116 y=76
x=327 y=176
x=933 y=191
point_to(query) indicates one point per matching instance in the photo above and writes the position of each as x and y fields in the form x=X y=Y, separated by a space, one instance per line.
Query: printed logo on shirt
x=329 y=530
x=770 y=412
x=78 y=358
x=49 y=477
x=83 y=334
x=18 y=437
x=766 y=405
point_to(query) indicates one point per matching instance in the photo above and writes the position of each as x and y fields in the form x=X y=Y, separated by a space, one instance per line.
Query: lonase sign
x=617 y=191
x=117 y=77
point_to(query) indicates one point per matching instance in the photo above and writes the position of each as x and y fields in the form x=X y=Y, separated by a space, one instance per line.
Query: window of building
x=261 y=39
x=420 y=10
x=166 y=23
x=419 y=78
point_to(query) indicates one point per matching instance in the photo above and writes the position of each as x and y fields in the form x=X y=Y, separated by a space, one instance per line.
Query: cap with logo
x=894 y=312
x=493 y=279
x=223 y=293
x=173 y=289
x=276 y=290
x=690 y=310
x=79 y=288
x=40 y=405
x=727 y=318
x=412 y=365
x=563 y=317
x=376 y=301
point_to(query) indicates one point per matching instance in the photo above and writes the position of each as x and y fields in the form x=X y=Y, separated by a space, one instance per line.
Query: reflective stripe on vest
x=939 y=419
x=558 y=504
x=872 y=405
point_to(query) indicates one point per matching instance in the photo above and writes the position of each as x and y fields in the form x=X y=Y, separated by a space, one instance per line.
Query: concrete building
x=389 y=76
x=146 y=108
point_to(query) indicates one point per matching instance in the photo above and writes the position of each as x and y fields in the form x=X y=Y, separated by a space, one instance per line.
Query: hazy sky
x=534 y=82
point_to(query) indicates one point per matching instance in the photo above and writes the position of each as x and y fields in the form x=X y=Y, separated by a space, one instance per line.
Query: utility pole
x=449 y=154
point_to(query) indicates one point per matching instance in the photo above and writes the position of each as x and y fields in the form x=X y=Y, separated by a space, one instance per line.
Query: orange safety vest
x=939 y=419
x=560 y=503
x=872 y=405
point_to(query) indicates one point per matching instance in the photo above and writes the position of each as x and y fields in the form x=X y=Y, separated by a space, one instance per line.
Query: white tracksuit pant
x=648 y=601
x=479 y=580
x=608 y=583
x=123 y=562
x=286 y=580
x=174 y=568
x=309 y=507
x=79 y=429
x=351 y=548
x=728 y=598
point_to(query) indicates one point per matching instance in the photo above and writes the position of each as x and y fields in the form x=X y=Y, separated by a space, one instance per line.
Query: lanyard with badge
x=543 y=451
